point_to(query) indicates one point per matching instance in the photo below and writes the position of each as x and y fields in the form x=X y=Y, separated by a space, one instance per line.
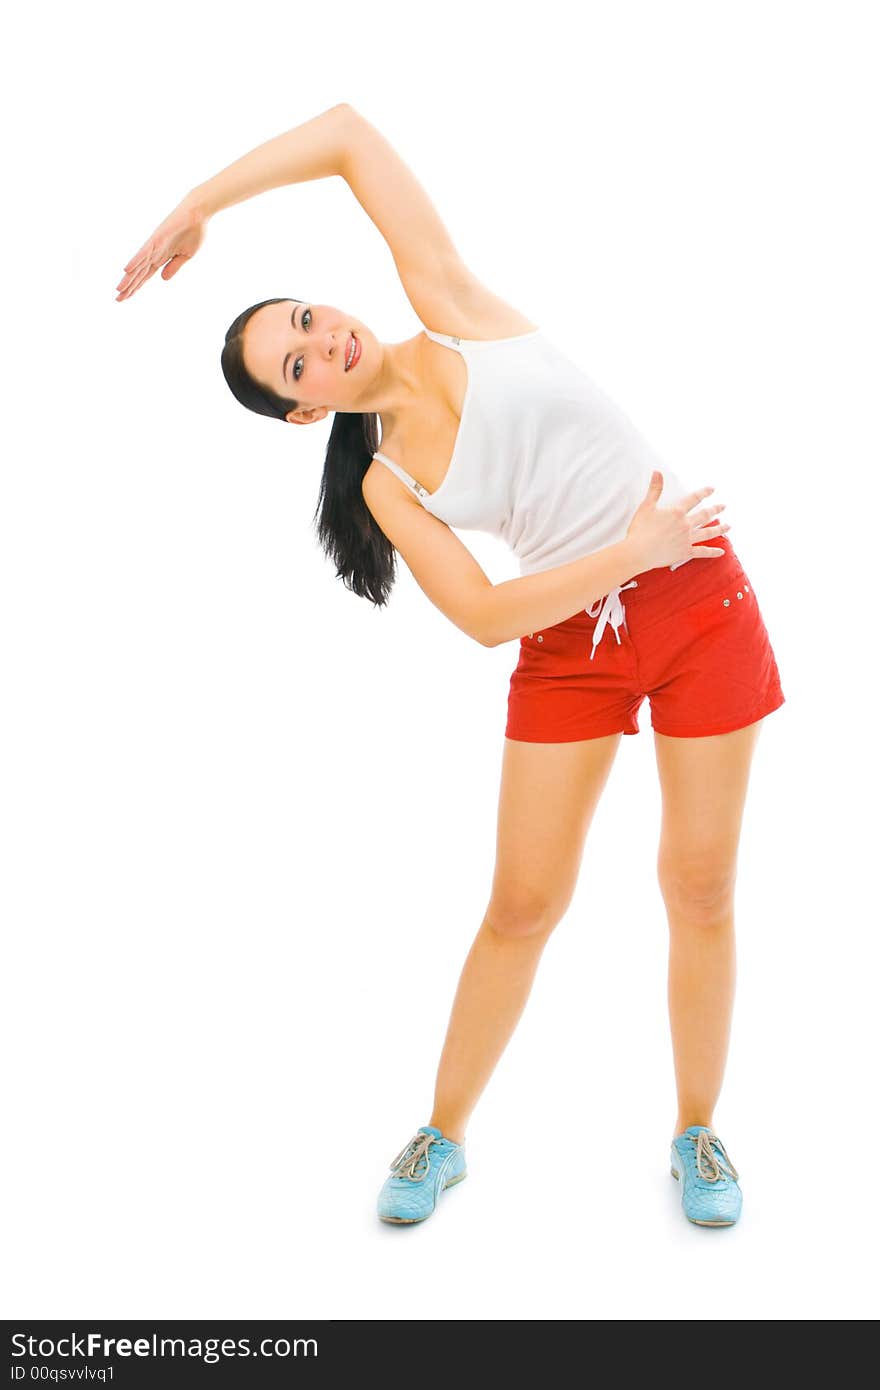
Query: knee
x=699 y=889
x=524 y=913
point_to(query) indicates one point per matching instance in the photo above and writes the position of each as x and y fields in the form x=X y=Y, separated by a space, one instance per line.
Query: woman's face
x=301 y=352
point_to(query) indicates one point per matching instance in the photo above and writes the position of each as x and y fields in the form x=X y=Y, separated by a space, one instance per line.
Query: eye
x=306 y=314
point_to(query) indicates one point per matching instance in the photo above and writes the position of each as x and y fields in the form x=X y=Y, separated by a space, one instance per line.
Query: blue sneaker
x=709 y=1192
x=424 y=1168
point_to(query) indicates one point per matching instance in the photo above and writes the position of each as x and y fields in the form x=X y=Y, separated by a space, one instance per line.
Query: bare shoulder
x=380 y=487
x=466 y=308
x=387 y=498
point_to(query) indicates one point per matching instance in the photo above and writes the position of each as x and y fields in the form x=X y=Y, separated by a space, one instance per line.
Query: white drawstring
x=610 y=610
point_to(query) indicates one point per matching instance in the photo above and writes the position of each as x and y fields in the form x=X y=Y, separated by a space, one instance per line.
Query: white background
x=248 y=820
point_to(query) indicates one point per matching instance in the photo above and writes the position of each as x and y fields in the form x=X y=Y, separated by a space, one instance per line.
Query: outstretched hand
x=175 y=241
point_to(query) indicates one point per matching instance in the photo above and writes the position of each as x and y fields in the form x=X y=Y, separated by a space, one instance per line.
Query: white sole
x=414 y=1220
x=695 y=1219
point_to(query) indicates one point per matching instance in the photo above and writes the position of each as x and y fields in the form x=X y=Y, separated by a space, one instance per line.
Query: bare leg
x=549 y=792
x=495 y=983
x=704 y=783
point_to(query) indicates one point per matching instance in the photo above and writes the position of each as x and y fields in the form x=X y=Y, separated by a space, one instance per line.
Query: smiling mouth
x=353 y=354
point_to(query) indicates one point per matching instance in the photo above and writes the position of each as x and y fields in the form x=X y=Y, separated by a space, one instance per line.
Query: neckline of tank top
x=471 y=342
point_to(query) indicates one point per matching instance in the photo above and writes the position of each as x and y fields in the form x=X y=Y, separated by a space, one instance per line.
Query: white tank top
x=543 y=458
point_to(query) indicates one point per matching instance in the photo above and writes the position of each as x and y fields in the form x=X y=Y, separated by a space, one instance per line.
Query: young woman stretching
x=486 y=425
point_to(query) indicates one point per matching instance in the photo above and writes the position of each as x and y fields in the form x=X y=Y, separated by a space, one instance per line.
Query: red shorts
x=691 y=638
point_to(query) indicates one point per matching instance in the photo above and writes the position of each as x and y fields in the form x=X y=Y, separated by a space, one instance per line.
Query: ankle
x=696 y=1117
x=450 y=1129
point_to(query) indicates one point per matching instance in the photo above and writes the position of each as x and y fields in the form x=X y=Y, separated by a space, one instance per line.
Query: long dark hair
x=346 y=529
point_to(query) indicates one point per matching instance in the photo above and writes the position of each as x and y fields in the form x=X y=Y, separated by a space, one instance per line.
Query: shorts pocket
x=723 y=634
x=711 y=666
x=721 y=589
x=730 y=607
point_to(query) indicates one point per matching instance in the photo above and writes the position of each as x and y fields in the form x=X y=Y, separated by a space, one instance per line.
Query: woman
x=486 y=425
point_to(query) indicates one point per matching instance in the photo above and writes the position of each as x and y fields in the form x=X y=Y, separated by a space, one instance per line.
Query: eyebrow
x=288 y=355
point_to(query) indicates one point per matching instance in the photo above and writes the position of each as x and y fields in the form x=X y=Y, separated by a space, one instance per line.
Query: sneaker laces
x=411 y=1156
x=717 y=1167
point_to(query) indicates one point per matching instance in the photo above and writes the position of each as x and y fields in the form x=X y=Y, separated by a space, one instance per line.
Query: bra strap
x=404 y=477
x=446 y=338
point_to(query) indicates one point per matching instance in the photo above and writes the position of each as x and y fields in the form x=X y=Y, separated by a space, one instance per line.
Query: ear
x=307 y=417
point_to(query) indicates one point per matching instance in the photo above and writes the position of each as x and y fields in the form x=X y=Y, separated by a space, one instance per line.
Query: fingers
x=136 y=280
x=693 y=498
x=133 y=267
x=707 y=532
x=129 y=284
x=138 y=256
x=139 y=269
x=132 y=274
x=703 y=518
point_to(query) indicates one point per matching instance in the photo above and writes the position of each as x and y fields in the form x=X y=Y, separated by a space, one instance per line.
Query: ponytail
x=347 y=530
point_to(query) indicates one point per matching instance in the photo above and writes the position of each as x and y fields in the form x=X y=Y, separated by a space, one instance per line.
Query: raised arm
x=338 y=142
x=342 y=141
x=443 y=291
x=399 y=207
x=313 y=150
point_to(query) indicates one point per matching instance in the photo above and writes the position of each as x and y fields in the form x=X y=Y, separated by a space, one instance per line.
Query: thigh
x=703 y=783
x=549 y=792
